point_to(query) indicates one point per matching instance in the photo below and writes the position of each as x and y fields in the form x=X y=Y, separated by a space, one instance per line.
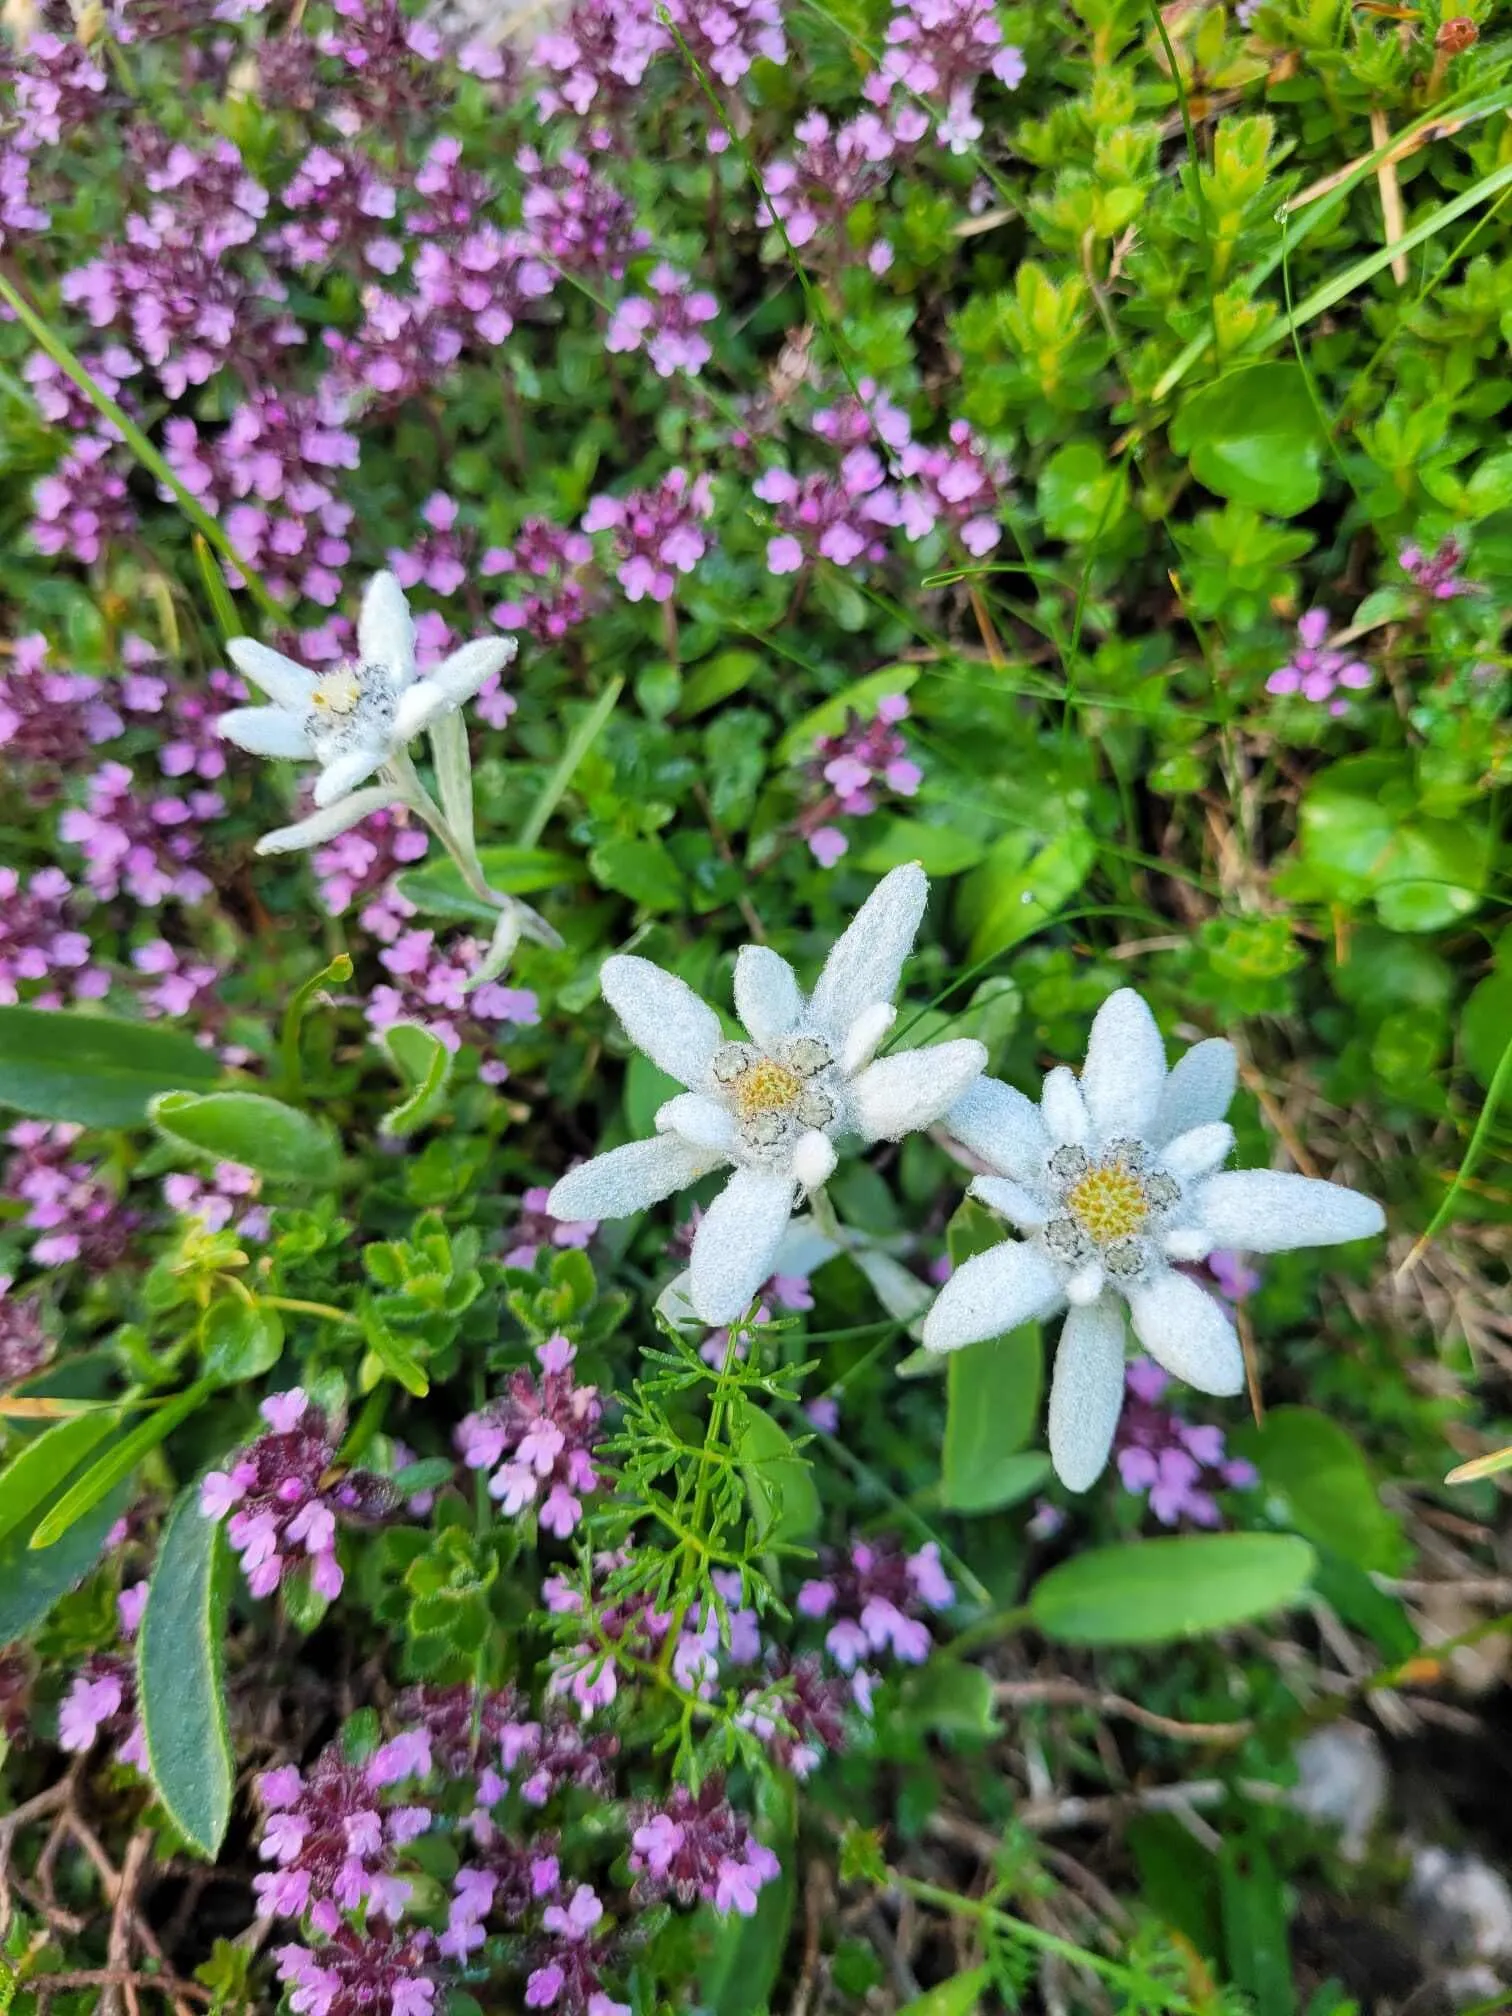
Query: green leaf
x=41 y=1464
x=1080 y=493
x=181 y=1677
x=1158 y=1590
x=431 y=1473
x=93 y=1069
x=577 y=746
x=116 y=1465
x=716 y=679
x=392 y=1354
x=1314 y=1467
x=948 y=1697
x=779 y=1481
x=1484 y=1024
x=424 y=1063
x=239 y=1341
x=1019 y=887
x=940 y=850
x=991 y=1409
x=829 y=719
x=745 y=1955
x=277 y=1141
x=1253 y=437
x=959 y=1996
x=31 y=1582
x=1362 y=836
x=438 y=890
x=1255 y=1931
x=643 y=870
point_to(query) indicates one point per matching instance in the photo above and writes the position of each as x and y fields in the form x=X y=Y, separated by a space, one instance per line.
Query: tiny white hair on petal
x=662 y=1016
x=702 y=1122
x=265 y=731
x=814 y=1159
x=866 y=962
x=996 y=1123
x=1062 y=1107
x=385 y=628
x=1086 y=1284
x=1125 y=1071
x=1200 y=1088
x=1087 y=1391
x=865 y=1035
x=1187 y=1242
x=285 y=683
x=344 y=773
x=1011 y=1201
x=451 y=685
x=337 y=818
x=1272 y=1211
x=991 y=1293
x=1199 y=1151
x=1186 y=1332
x=736 y=1243
x=804 y=1249
x=913 y=1088
x=767 y=997
x=628 y=1179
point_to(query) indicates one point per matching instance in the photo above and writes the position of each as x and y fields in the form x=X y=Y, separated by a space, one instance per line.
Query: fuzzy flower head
x=770 y=1107
x=1116 y=1180
x=360 y=716
x=1315 y=669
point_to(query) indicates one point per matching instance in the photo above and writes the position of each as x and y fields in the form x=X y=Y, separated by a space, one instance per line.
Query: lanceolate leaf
x=31 y=1582
x=181 y=1677
x=115 y=1466
x=1157 y=1590
x=42 y=1464
x=94 y=1069
x=264 y=1134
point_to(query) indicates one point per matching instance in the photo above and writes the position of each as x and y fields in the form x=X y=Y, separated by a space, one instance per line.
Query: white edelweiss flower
x=771 y=1107
x=362 y=716
x=1112 y=1178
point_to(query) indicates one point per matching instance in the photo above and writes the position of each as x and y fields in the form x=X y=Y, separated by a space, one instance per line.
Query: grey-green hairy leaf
x=96 y=1070
x=277 y=1141
x=181 y=1677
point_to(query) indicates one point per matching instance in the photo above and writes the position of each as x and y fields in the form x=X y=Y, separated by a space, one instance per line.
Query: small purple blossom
x=959 y=486
x=668 y=322
x=1438 y=574
x=576 y=218
x=338 y=205
x=430 y=984
x=544 y=562
x=597 y=57
x=60 y=400
x=78 y=1214
x=358 y=868
x=657 y=533
x=1179 y=1465
x=218 y=1199
x=535 y=1228
x=49 y=720
x=565 y=1976
x=507 y=1882
x=849 y=774
x=833 y=517
x=332 y=1834
x=538 y=1440
x=874 y=1596
x=150 y=847
x=799 y=1716
x=83 y=504
x=281 y=1503
x=938 y=50
x=376 y=1972
x=1315 y=670
x=41 y=948
x=834 y=170
x=696 y=1846
x=25 y=1345
x=101 y=1701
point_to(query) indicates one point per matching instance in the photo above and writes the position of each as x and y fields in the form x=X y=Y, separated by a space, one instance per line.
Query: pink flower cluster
x=847 y=771
x=799 y=1716
x=337 y=201
x=219 y=1199
x=598 y=57
x=834 y=171
x=588 y=1673
x=78 y=1214
x=376 y=1972
x=430 y=985
x=938 y=51
x=82 y=505
x=538 y=1439
x=831 y=517
x=695 y=1845
x=359 y=866
x=956 y=485
x=1438 y=574
x=40 y=947
x=49 y=721
x=876 y=1596
x=25 y=1346
x=102 y=1697
x=439 y=558
x=577 y=219
x=150 y=847
x=60 y=400
x=568 y=1959
x=546 y=557
x=657 y=533
x=282 y=1503
x=333 y=1835
x=668 y=322
x=1315 y=670
x=182 y=716
x=1179 y=1465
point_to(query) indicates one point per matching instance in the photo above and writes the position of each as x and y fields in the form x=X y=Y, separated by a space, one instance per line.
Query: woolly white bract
x=1112 y=1178
x=357 y=719
x=771 y=1107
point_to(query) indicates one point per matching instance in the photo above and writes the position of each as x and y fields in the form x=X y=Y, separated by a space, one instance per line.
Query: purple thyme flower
x=102 y=1697
x=832 y=173
x=549 y=599
x=1179 y=1465
x=1232 y=1274
x=657 y=533
x=938 y=50
x=799 y=1716
x=79 y=1215
x=59 y=398
x=25 y=1346
x=836 y=518
x=695 y=1845
x=566 y=1974
x=870 y=420
x=219 y=1199
x=1314 y=670
x=333 y=1834
x=578 y=220
x=725 y=37
x=359 y=866
x=1438 y=574
x=668 y=321
x=506 y=1882
x=535 y=1228
x=376 y=1972
x=49 y=721
x=182 y=716
x=847 y=773
x=148 y=847
x=284 y=1504
x=876 y=1594
x=959 y=486
x=41 y=949
x=432 y=985
x=451 y=1727
x=598 y=57
x=83 y=504
x=548 y=1756
x=59 y=89
x=540 y=1434
x=338 y=203
x=441 y=558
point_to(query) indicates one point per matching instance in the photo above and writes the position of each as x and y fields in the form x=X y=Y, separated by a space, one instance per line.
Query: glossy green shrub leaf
x=1157 y=1590
x=94 y=1069
x=239 y=1341
x=959 y=1996
x=939 y=850
x=424 y=1063
x=1314 y=1467
x=1363 y=837
x=277 y=1141
x=716 y=679
x=1021 y=885
x=641 y=870
x=181 y=1677
x=1081 y=494
x=1254 y=438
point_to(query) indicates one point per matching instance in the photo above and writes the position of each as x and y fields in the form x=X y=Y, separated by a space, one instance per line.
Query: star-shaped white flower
x=772 y=1107
x=361 y=717
x=1113 y=1178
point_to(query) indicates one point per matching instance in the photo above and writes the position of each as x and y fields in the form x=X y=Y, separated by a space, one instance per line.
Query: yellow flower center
x=1108 y=1203
x=766 y=1087
x=337 y=692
